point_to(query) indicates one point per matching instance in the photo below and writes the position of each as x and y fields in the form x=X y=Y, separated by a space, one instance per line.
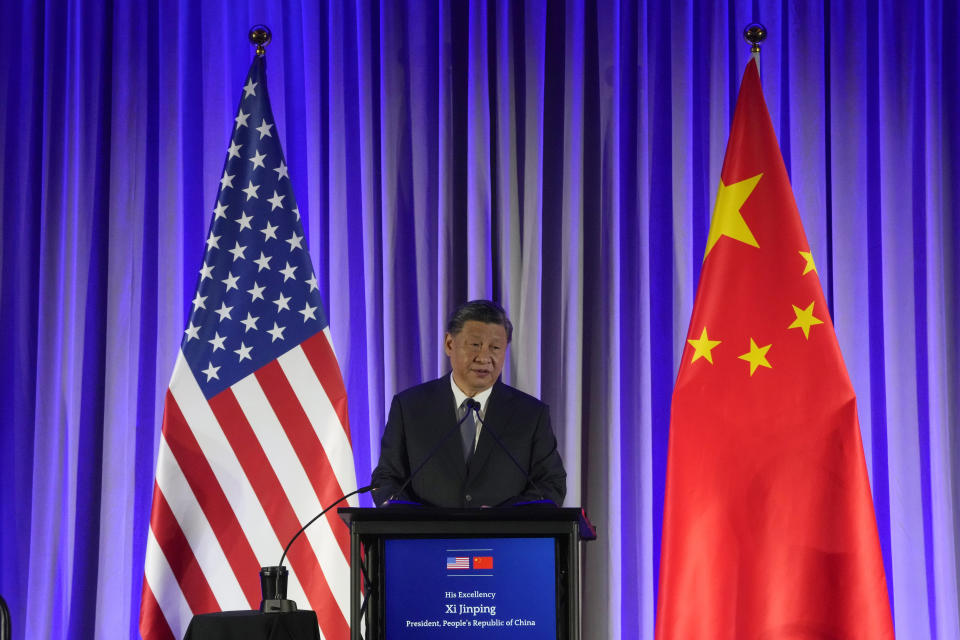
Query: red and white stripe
x=236 y=477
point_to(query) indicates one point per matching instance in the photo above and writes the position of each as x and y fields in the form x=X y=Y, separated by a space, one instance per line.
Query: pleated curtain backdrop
x=560 y=157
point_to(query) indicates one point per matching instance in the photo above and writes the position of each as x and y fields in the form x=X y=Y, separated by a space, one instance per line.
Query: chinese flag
x=769 y=531
x=483 y=562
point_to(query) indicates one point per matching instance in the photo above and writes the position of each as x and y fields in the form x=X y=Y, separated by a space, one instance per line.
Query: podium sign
x=471 y=585
x=419 y=572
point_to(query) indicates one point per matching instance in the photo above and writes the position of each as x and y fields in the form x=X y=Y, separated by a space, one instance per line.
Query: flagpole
x=260 y=36
x=755 y=33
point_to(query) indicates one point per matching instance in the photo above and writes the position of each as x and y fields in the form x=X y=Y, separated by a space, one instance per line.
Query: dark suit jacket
x=423 y=416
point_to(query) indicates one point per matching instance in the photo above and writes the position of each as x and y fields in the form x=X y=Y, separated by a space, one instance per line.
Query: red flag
x=483 y=562
x=769 y=530
x=256 y=437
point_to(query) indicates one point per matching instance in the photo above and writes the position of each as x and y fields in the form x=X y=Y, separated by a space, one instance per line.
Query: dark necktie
x=468 y=430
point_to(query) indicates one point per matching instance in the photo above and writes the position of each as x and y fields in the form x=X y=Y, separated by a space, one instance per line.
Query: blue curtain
x=561 y=157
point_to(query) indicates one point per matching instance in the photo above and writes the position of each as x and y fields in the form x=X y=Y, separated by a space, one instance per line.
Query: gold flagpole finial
x=260 y=36
x=755 y=33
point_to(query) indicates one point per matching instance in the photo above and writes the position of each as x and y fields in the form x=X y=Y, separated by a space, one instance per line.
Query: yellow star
x=804 y=320
x=808 y=256
x=727 y=220
x=757 y=356
x=703 y=347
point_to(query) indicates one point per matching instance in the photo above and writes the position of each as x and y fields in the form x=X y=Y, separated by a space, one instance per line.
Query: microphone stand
x=475 y=407
x=279 y=602
x=436 y=447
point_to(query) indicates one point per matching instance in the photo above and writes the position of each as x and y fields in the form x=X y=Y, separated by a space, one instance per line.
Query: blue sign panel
x=478 y=587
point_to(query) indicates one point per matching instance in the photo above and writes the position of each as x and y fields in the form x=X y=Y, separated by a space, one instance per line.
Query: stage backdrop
x=559 y=157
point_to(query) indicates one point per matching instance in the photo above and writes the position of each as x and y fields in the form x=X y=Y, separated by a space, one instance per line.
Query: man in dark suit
x=467 y=466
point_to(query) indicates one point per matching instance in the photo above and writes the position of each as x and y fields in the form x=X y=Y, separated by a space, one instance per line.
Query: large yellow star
x=757 y=356
x=808 y=256
x=703 y=346
x=804 y=320
x=727 y=220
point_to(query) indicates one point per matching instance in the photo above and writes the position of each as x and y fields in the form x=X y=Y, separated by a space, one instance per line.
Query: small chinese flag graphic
x=483 y=562
x=769 y=528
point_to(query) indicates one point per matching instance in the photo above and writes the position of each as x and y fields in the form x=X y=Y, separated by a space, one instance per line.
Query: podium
x=425 y=572
x=253 y=625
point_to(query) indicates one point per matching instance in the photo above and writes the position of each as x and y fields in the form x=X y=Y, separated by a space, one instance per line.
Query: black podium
x=374 y=532
x=253 y=625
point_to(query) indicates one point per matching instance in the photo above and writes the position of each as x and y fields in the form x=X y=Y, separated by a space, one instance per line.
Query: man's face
x=476 y=355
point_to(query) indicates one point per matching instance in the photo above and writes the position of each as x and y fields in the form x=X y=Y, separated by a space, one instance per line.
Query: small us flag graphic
x=459 y=562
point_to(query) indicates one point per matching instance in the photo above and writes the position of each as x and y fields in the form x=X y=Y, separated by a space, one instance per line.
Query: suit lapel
x=443 y=415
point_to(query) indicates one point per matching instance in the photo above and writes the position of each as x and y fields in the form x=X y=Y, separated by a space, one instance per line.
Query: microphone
x=278 y=603
x=474 y=406
x=433 y=452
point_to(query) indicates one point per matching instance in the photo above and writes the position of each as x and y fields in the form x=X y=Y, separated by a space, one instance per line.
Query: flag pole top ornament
x=260 y=36
x=755 y=33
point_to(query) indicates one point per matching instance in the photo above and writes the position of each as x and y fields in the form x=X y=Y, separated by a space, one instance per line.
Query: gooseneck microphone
x=474 y=406
x=275 y=599
x=432 y=453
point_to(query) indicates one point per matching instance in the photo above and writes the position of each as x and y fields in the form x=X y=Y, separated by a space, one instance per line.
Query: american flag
x=460 y=562
x=255 y=437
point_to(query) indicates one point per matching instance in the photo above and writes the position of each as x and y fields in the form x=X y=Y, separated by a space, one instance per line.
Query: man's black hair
x=486 y=311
